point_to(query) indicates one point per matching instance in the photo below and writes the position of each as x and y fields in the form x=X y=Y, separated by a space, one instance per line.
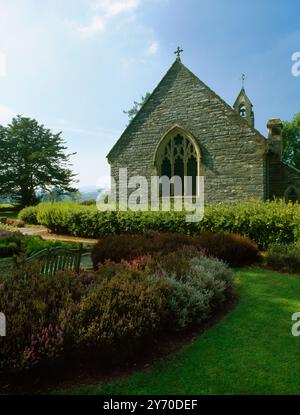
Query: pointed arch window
x=177 y=156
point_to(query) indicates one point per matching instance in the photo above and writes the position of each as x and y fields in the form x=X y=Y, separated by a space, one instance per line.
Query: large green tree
x=291 y=141
x=32 y=160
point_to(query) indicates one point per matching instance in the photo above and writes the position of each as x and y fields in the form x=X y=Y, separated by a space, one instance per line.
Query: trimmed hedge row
x=265 y=223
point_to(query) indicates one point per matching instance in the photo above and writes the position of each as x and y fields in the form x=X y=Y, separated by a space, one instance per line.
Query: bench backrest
x=52 y=260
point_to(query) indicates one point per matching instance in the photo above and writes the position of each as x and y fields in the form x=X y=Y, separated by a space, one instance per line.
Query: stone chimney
x=275 y=136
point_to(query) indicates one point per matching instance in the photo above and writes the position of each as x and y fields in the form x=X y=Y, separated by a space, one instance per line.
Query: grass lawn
x=11 y=215
x=8 y=211
x=251 y=351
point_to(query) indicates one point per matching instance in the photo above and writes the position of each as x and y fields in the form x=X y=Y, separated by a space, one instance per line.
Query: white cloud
x=153 y=48
x=69 y=127
x=103 y=11
x=114 y=7
x=96 y=25
x=6 y=115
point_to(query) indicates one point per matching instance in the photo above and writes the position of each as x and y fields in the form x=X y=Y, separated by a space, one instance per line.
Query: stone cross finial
x=243 y=80
x=178 y=52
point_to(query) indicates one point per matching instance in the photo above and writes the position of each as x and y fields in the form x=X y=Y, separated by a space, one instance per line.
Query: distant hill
x=4 y=200
x=87 y=192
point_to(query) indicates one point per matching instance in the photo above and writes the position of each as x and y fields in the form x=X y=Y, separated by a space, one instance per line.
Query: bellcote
x=244 y=107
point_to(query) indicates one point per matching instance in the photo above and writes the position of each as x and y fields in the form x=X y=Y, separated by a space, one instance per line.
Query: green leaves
x=291 y=141
x=32 y=159
x=137 y=106
x=264 y=223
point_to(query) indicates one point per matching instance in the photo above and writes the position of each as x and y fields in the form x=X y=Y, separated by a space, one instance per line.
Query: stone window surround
x=167 y=137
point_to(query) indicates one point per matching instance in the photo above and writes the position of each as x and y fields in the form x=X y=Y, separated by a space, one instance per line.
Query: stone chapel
x=186 y=129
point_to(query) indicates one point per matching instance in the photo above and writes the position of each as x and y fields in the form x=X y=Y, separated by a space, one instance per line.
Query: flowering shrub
x=234 y=249
x=47 y=345
x=141 y=263
x=121 y=314
x=195 y=292
x=33 y=307
x=112 y=314
x=127 y=247
x=10 y=241
x=186 y=304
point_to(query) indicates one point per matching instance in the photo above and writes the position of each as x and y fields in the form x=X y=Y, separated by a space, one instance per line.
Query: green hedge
x=29 y=215
x=264 y=223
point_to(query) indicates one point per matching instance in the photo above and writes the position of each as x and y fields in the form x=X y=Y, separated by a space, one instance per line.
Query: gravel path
x=45 y=234
x=86 y=261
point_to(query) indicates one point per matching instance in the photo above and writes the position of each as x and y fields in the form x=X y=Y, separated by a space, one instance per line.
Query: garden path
x=45 y=234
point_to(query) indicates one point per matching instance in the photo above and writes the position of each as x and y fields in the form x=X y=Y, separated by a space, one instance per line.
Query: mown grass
x=251 y=351
x=8 y=211
x=11 y=215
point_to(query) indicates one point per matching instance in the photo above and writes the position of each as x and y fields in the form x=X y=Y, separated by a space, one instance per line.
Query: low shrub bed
x=234 y=249
x=284 y=257
x=10 y=241
x=116 y=313
x=264 y=223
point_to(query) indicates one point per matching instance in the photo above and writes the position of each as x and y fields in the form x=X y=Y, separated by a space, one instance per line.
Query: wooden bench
x=56 y=259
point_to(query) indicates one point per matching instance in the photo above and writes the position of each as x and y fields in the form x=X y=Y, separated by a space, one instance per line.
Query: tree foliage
x=32 y=160
x=291 y=141
x=136 y=107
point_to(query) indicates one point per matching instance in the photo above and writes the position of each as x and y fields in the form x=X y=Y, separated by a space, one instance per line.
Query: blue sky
x=75 y=65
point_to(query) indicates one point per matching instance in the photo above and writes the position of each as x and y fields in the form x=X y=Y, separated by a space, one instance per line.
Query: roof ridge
x=242 y=120
x=176 y=62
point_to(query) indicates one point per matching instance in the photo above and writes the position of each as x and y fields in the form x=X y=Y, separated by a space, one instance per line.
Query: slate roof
x=176 y=67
